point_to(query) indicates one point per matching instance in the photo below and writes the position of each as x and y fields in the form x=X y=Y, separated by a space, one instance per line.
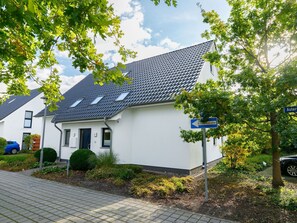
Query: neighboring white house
x=138 y=121
x=17 y=117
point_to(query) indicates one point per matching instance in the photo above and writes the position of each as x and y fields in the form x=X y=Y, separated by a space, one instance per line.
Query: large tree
x=31 y=31
x=257 y=61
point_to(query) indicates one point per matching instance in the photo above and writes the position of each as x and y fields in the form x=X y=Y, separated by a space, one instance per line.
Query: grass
x=17 y=162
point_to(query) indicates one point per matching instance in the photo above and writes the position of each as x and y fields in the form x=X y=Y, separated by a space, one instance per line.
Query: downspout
x=60 y=144
x=105 y=122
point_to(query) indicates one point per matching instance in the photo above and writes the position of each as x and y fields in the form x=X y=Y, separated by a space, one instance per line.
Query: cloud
x=66 y=81
x=136 y=37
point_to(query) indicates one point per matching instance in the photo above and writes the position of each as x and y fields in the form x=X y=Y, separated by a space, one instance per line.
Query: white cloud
x=136 y=37
x=168 y=43
x=67 y=81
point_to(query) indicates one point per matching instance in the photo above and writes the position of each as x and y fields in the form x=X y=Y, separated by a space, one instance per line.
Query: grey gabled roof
x=15 y=102
x=154 y=80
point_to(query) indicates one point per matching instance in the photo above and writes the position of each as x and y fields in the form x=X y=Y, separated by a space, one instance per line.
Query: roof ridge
x=173 y=51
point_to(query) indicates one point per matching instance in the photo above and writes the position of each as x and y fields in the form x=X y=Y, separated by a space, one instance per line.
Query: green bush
x=3 y=144
x=106 y=159
x=136 y=169
x=17 y=162
x=108 y=172
x=82 y=159
x=53 y=169
x=49 y=155
x=125 y=174
x=145 y=185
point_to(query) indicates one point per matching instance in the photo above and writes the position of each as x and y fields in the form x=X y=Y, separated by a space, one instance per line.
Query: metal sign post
x=205 y=163
x=197 y=124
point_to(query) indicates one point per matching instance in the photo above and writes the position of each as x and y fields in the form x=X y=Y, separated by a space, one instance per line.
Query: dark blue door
x=85 y=139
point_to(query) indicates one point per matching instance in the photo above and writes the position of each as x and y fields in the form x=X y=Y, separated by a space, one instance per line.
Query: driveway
x=268 y=173
x=27 y=199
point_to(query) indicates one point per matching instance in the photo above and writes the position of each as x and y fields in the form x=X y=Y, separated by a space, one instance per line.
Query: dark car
x=12 y=147
x=289 y=165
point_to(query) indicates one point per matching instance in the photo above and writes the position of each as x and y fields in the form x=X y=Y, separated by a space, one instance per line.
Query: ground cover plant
x=243 y=195
x=17 y=162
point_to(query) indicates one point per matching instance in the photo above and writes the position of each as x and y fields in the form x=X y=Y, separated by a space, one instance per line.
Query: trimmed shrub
x=49 y=155
x=82 y=159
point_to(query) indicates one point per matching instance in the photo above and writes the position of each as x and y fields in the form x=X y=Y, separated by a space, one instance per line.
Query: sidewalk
x=27 y=199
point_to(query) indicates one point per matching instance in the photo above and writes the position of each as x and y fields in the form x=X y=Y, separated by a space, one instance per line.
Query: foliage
x=82 y=159
x=256 y=58
x=253 y=163
x=288 y=198
x=113 y=172
x=168 y=2
x=33 y=31
x=17 y=162
x=147 y=185
x=29 y=140
x=49 y=155
x=45 y=163
x=236 y=149
x=136 y=168
x=53 y=169
x=107 y=159
x=3 y=144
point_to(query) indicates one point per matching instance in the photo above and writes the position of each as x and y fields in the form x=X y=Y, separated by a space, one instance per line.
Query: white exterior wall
x=52 y=134
x=147 y=135
x=13 y=125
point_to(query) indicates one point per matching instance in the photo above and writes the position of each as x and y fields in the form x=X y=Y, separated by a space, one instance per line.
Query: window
x=122 y=96
x=67 y=137
x=96 y=100
x=106 y=137
x=214 y=141
x=11 y=101
x=76 y=103
x=28 y=119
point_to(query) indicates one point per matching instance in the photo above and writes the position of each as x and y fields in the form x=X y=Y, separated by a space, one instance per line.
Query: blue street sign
x=211 y=123
x=291 y=109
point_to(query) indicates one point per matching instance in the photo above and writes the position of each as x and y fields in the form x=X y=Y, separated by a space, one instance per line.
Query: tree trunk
x=277 y=180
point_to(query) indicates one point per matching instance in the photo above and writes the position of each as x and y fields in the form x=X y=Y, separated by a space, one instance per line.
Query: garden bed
x=233 y=195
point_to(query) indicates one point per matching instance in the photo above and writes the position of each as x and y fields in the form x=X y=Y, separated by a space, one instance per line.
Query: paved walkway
x=27 y=199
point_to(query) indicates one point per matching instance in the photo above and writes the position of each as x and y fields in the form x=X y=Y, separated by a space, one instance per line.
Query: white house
x=138 y=121
x=17 y=117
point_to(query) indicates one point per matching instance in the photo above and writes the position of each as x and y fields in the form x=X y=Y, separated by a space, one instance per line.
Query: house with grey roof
x=138 y=121
x=17 y=116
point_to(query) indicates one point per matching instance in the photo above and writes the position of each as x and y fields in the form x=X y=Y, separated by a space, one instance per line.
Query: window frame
x=67 y=133
x=122 y=96
x=103 y=137
x=76 y=103
x=26 y=119
x=97 y=100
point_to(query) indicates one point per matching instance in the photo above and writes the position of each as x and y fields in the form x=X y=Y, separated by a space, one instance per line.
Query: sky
x=149 y=30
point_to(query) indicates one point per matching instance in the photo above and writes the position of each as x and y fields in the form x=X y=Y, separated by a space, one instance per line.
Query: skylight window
x=122 y=96
x=76 y=103
x=11 y=101
x=96 y=100
x=125 y=73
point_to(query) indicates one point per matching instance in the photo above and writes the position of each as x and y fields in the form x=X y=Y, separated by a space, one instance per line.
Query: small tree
x=30 y=139
x=257 y=61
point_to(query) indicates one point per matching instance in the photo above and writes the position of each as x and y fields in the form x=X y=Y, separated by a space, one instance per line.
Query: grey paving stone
x=43 y=201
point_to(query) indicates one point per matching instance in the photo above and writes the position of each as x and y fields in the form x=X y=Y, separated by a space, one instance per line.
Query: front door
x=85 y=139
x=25 y=134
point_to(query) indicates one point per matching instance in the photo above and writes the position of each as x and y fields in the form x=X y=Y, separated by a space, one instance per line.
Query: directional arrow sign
x=291 y=109
x=197 y=124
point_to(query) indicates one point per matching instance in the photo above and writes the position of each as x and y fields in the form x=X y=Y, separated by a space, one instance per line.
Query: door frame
x=82 y=137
